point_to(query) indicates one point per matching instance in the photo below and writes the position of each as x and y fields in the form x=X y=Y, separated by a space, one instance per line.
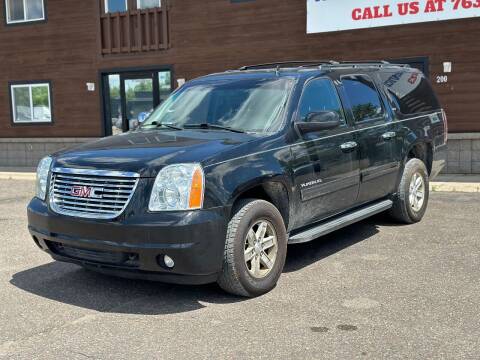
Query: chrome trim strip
x=325 y=137
x=92 y=172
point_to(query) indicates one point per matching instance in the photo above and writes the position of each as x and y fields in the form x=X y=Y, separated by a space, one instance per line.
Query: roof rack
x=287 y=64
x=366 y=62
x=325 y=64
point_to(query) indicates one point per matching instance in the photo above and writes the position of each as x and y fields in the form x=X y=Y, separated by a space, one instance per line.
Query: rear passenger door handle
x=389 y=135
x=348 y=146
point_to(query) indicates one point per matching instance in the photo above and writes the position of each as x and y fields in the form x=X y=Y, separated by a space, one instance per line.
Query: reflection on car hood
x=147 y=151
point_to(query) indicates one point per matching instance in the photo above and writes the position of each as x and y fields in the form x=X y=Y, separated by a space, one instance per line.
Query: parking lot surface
x=373 y=290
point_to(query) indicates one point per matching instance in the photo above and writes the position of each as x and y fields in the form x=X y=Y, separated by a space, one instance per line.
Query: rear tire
x=411 y=199
x=255 y=249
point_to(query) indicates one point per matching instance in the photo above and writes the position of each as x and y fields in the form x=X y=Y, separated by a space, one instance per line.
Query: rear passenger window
x=320 y=95
x=410 y=92
x=364 y=97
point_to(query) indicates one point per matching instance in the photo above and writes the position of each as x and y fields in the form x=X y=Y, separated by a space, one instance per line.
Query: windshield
x=250 y=105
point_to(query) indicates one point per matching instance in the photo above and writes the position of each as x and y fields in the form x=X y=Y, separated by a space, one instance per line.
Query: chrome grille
x=95 y=194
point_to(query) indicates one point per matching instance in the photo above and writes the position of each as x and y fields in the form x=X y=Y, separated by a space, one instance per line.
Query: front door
x=132 y=96
x=325 y=163
x=139 y=98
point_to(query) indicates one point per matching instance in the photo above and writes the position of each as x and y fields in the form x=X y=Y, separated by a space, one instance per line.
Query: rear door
x=325 y=165
x=376 y=137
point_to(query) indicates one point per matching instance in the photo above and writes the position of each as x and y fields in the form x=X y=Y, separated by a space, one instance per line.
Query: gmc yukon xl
x=235 y=166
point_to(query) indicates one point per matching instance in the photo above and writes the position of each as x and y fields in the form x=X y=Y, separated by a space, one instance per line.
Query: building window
x=19 y=11
x=148 y=4
x=31 y=103
x=112 y=6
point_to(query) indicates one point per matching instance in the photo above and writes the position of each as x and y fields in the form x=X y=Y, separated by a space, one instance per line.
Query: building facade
x=72 y=71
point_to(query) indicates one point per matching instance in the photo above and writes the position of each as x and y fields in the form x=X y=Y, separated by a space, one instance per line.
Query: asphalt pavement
x=374 y=290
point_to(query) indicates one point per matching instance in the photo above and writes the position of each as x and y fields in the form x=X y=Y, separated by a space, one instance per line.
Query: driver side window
x=320 y=95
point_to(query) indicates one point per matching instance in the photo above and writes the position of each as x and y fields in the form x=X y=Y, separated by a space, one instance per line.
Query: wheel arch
x=422 y=150
x=274 y=191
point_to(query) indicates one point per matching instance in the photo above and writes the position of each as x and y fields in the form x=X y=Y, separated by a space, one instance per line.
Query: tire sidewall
x=416 y=166
x=262 y=211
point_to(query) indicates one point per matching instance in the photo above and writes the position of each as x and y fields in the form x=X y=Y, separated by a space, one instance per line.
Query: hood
x=147 y=151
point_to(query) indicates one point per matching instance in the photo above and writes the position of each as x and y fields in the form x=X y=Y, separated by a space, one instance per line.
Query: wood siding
x=213 y=35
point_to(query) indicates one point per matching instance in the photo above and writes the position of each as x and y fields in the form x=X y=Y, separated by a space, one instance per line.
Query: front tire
x=411 y=200
x=255 y=249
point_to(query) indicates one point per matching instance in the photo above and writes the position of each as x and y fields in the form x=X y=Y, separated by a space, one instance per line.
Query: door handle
x=348 y=146
x=389 y=135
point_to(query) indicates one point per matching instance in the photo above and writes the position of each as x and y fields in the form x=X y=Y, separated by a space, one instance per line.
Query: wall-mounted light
x=447 y=67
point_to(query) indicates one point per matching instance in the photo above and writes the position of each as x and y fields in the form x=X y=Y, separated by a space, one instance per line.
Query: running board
x=340 y=222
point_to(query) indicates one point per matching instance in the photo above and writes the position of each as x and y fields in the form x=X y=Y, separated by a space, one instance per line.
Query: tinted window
x=319 y=95
x=410 y=92
x=363 y=96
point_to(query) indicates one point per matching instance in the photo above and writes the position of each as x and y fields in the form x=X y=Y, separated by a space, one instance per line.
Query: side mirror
x=318 y=121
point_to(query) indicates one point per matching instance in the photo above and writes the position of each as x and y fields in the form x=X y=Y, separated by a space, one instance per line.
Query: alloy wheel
x=261 y=247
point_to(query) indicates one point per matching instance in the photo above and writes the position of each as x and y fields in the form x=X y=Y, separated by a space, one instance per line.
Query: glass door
x=140 y=97
x=131 y=96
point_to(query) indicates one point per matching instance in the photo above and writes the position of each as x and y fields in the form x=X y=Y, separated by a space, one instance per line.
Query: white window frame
x=25 y=20
x=138 y=4
x=106 y=6
x=30 y=87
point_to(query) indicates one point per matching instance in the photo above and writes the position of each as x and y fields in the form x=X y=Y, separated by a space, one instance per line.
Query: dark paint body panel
x=309 y=175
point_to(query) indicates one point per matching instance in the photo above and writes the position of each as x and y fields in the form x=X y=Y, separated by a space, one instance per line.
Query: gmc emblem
x=86 y=192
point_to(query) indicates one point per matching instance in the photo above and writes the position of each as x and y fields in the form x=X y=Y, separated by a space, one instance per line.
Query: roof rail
x=286 y=64
x=368 y=62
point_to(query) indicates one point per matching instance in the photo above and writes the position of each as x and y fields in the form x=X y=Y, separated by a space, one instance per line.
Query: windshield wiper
x=170 y=126
x=212 y=126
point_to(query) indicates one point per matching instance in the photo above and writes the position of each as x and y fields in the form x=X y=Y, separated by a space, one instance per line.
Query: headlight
x=178 y=187
x=43 y=170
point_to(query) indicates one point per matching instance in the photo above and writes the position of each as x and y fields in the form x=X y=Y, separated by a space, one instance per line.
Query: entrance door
x=139 y=98
x=131 y=96
x=420 y=63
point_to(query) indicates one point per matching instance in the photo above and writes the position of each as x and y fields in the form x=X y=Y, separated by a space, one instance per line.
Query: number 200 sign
x=335 y=15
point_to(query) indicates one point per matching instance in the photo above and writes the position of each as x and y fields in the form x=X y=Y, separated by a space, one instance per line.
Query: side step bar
x=340 y=222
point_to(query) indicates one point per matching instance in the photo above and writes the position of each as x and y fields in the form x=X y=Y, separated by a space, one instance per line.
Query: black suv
x=232 y=167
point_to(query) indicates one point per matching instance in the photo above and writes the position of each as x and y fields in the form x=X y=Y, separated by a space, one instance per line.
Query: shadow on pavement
x=303 y=255
x=70 y=284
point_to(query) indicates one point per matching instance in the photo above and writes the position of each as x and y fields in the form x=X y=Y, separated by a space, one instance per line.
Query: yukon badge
x=311 y=183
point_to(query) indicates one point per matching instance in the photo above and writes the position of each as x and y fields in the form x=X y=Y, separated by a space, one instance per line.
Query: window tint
x=319 y=95
x=24 y=10
x=147 y=4
x=31 y=103
x=410 y=92
x=363 y=96
x=112 y=6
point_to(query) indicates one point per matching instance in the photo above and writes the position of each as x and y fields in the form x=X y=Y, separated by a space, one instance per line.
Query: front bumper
x=133 y=246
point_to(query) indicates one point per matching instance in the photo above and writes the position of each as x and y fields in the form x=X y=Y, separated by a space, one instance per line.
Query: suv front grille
x=95 y=194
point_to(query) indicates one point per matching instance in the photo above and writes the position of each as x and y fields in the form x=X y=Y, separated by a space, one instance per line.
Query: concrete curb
x=455 y=187
x=17 y=176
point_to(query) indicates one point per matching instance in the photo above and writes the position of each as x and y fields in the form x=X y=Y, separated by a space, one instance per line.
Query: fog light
x=168 y=261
